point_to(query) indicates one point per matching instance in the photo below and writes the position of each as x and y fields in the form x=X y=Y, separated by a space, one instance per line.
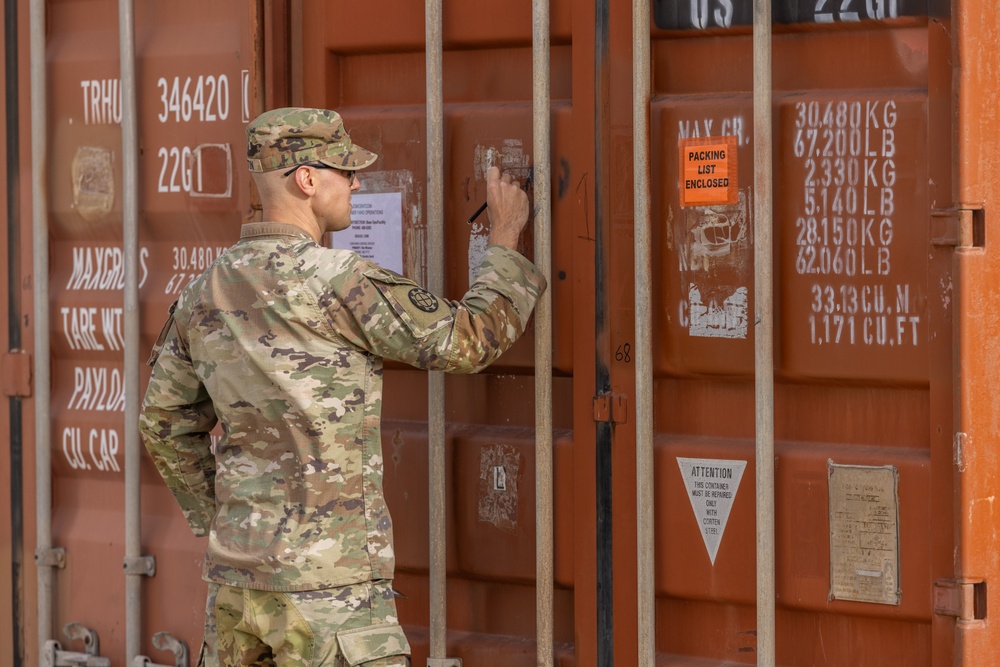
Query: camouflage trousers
x=338 y=627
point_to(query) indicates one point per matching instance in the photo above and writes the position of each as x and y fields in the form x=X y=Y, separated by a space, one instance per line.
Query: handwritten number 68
x=624 y=353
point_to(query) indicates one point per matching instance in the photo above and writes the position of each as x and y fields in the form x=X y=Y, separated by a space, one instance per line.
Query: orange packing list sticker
x=708 y=171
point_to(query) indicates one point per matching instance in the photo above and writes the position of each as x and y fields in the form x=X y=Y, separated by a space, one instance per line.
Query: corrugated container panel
x=193 y=99
x=376 y=79
x=862 y=317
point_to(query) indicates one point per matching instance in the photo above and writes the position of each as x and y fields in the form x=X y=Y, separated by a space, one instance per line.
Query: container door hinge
x=958 y=227
x=444 y=662
x=143 y=566
x=164 y=641
x=965 y=600
x=15 y=368
x=56 y=657
x=611 y=408
x=54 y=557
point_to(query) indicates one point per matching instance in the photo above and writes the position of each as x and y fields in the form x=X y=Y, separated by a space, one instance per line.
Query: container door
x=193 y=97
x=863 y=320
x=376 y=78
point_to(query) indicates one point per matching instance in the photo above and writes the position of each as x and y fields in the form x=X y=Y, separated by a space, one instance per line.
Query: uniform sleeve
x=176 y=419
x=397 y=319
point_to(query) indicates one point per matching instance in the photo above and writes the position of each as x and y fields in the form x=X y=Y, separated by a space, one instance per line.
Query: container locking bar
x=444 y=662
x=958 y=227
x=52 y=557
x=54 y=656
x=144 y=566
x=164 y=641
x=611 y=408
x=965 y=600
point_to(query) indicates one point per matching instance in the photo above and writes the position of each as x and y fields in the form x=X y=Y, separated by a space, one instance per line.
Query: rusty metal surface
x=192 y=68
x=858 y=312
x=976 y=329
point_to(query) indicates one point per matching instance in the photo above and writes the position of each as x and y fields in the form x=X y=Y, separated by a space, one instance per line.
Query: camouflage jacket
x=282 y=340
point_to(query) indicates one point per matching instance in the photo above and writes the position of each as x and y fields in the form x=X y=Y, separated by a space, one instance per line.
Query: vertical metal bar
x=295 y=52
x=645 y=549
x=435 y=380
x=130 y=247
x=40 y=293
x=542 y=150
x=602 y=361
x=16 y=403
x=764 y=329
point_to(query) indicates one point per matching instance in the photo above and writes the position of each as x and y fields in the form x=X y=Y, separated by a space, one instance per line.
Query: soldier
x=282 y=340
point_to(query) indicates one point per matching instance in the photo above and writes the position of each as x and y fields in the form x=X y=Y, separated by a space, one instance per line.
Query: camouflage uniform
x=356 y=625
x=282 y=340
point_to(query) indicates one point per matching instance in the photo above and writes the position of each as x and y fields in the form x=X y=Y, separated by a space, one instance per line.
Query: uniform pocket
x=420 y=311
x=374 y=646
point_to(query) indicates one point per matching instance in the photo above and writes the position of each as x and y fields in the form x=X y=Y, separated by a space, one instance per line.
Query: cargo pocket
x=382 y=645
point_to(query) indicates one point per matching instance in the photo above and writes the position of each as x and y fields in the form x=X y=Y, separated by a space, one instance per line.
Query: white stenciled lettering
x=175 y=169
x=97 y=388
x=96 y=448
x=111 y=328
x=704 y=127
x=80 y=328
x=849 y=152
x=711 y=13
x=205 y=99
x=72 y=446
x=103 y=268
x=178 y=281
x=102 y=101
x=102 y=445
x=195 y=258
x=864 y=316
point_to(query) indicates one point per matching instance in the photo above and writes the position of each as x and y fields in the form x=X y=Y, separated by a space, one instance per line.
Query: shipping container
x=751 y=422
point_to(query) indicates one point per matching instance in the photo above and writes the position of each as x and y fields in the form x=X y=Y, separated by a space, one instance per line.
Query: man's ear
x=305 y=180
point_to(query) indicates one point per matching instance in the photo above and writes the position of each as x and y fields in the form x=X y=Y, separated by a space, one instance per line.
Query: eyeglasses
x=351 y=176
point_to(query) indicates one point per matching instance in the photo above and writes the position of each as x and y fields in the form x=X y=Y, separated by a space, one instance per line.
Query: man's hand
x=507 y=206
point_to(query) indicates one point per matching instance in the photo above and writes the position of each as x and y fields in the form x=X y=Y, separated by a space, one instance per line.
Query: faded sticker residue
x=713 y=251
x=718 y=234
x=211 y=168
x=93 y=183
x=499 y=467
x=714 y=320
x=507 y=154
x=479 y=240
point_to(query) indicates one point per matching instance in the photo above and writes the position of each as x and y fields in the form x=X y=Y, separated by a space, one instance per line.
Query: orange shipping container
x=882 y=132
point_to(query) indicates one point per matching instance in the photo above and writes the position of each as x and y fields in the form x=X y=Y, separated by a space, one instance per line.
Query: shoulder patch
x=423 y=300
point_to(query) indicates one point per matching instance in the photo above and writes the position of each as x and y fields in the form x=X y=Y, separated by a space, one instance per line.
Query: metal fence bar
x=436 y=445
x=130 y=248
x=42 y=361
x=542 y=175
x=646 y=568
x=764 y=329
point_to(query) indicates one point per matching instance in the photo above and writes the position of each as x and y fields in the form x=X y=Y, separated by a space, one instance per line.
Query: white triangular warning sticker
x=711 y=485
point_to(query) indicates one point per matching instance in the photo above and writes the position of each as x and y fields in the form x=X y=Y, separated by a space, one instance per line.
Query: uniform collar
x=253 y=230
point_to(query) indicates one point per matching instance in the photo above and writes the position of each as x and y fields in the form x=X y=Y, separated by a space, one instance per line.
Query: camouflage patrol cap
x=291 y=136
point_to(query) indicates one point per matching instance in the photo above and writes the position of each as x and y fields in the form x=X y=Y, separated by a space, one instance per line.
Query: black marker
x=477 y=213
